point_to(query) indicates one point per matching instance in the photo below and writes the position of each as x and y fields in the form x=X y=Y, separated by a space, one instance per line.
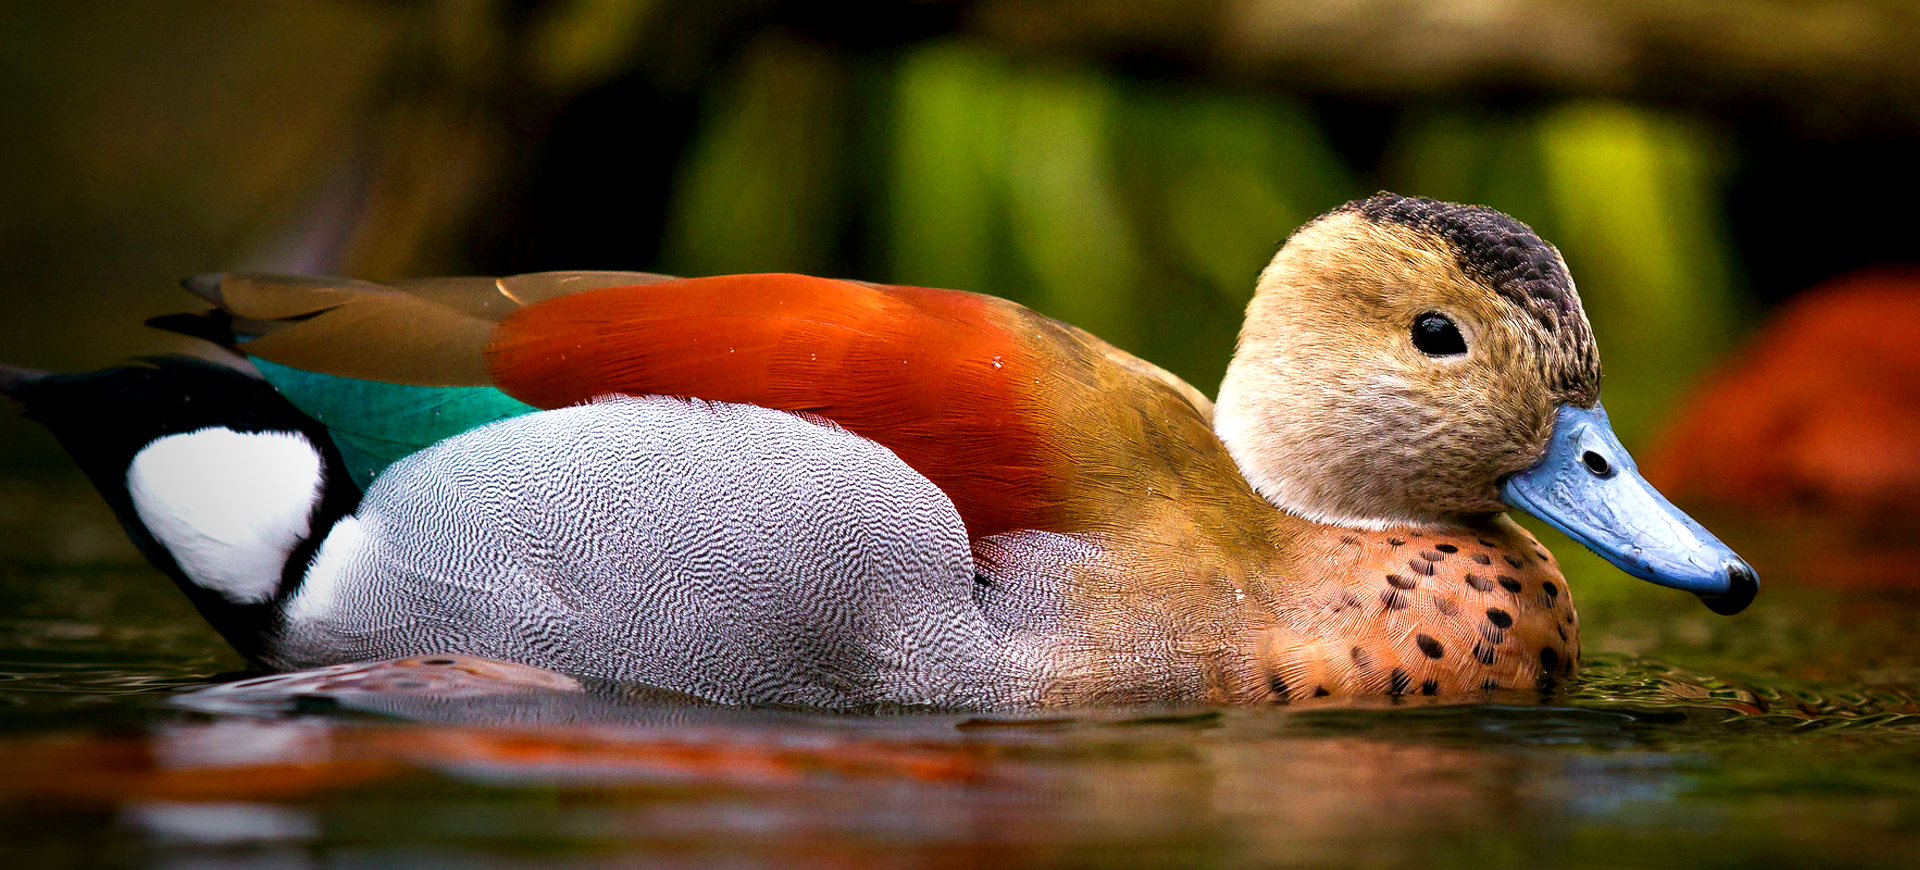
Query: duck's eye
x=1435 y=335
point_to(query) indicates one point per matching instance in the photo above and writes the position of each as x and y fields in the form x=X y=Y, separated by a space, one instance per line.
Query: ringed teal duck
x=795 y=490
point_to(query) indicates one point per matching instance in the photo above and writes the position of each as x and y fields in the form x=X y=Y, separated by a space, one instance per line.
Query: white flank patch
x=229 y=506
x=320 y=588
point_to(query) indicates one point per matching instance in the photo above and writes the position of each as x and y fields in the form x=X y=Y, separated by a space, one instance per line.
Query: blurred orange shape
x=1818 y=416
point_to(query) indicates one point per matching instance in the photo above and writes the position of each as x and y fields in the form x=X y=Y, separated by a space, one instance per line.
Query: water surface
x=1787 y=736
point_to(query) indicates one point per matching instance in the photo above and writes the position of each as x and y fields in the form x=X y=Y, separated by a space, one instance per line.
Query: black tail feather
x=214 y=326
x=15 y=381
x=105 y=418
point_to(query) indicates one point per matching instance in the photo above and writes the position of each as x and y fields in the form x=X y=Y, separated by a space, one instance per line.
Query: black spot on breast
x=1432 y=556
x=1396 y=542
x=1350 y=540
x=1513 y=560
x=1400 y=582
x=1446 y=548
x=1393 y=599
x=1500 y=618
x=1279 y=686
x=1490 y=685
x=1421 y=566
x=1320 y=692
x=1551 y=588
x=1543 y=554
x=1430 y=647
x=1486 y=543
x=1563 y=631
x=1398 y=682
x=1359 y=656
x=1446 y=606
x=1479 y=582
x=1430 y=687
x=1509 y=584
x=1482 y=558
x=439 y=662
x=1483 y=652
x=1549 y=659
x=1351 y=599
x=1545 y=683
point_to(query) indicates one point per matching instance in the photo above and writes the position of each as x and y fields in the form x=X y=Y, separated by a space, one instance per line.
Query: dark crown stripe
x=1509 y=257
x=1490 y=245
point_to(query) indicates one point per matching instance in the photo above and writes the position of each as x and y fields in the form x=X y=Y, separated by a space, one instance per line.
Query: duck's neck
x=1291 y=476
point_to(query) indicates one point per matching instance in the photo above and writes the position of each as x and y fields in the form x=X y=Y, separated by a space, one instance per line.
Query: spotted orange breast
x=1424 y=612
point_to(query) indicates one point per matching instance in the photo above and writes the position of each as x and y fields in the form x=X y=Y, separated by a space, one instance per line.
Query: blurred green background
x=1127 y=166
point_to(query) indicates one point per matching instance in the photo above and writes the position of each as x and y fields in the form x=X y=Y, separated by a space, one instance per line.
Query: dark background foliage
x=1128 y=166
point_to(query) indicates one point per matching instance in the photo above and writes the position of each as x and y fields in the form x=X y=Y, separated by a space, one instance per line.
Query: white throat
x=1269 y=467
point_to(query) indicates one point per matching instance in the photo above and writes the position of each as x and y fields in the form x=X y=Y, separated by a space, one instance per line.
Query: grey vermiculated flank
x=731 y=552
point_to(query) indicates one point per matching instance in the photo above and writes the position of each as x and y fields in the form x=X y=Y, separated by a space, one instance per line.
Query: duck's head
x=1412 y=362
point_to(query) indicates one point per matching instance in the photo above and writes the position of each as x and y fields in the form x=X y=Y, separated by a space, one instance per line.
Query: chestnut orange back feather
x=982 y=396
